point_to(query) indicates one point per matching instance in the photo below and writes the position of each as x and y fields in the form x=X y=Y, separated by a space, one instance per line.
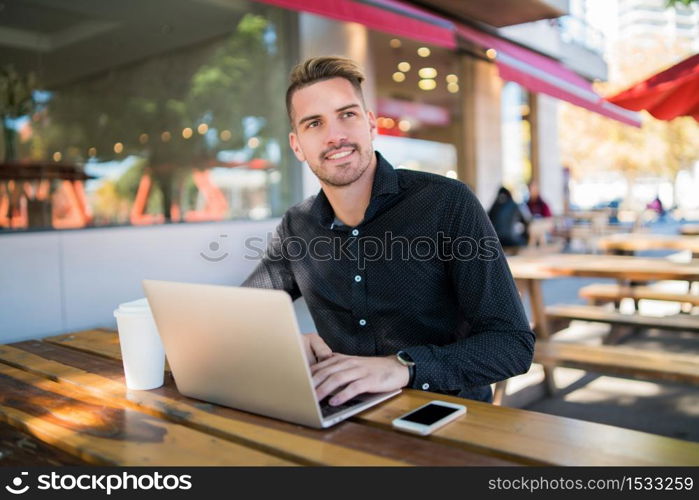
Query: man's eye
x=313 y=124
x=348 y=113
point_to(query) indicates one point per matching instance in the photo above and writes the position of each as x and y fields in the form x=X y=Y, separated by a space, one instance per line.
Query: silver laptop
x=242 y=348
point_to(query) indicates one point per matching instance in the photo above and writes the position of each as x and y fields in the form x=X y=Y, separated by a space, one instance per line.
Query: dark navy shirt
x=423 y=272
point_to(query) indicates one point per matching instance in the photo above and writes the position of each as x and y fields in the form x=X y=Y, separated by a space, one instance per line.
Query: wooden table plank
x=18 y=448
x=624 y=361
x=100 y=341
x=636 y=242
x=602 y=266
x=541 y=438
x=345 y=444
x=101 y=432
x=690 y=229
x=598 y=314
x=613 y=292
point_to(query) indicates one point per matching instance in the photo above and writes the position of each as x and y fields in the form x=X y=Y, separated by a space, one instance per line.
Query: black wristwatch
x=405 y=360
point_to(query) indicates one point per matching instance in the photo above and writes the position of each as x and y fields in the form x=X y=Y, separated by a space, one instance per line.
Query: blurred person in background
x=657 y=206
x=509 y=220
x=537 y=206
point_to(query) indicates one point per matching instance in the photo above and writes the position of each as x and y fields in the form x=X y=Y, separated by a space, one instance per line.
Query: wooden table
x=690 y=229
x=603 y=266
x=530 y=271
x=68 y=392
x=637 y=242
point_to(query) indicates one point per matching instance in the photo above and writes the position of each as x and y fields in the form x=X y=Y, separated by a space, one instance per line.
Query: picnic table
x=602 y=266
x=637 y=242
x=690 y=229
x=529 y=272
x=68 y=393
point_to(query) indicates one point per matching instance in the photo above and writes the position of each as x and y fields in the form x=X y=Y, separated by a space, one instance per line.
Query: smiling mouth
x=339 y=155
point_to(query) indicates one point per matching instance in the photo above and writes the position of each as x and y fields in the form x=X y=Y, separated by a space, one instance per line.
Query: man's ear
x=372 y=124
x=296 y=147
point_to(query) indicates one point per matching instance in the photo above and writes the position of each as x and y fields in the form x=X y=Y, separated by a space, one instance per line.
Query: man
x=401 y=314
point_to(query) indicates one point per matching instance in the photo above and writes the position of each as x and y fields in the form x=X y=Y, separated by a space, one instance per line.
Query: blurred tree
x=591 y=143
x=16 y=100
x=176 y=110
x=672 y=3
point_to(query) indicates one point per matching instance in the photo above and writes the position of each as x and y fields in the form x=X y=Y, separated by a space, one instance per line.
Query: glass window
x=418 y=104
x=144 y=113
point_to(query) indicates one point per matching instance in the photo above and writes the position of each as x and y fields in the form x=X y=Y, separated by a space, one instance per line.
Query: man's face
x=332 y=131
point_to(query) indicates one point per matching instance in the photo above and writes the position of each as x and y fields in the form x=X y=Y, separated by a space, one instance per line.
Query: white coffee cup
x=141 y=348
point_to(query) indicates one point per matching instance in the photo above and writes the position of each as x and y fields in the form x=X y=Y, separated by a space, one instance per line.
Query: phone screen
x=429 y=414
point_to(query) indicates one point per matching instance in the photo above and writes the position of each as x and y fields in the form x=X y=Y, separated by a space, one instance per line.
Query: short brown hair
x=317 y=69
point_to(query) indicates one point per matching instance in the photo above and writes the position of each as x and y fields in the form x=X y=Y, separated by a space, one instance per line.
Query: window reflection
x=169 y=111
x=516 y=139
x=418 y=104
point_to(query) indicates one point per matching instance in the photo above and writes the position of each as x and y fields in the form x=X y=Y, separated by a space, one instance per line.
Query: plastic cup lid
x=135 y=306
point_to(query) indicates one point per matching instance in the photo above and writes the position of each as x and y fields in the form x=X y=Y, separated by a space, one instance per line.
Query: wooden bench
x=608 y=292
x=599 y=315
x=623 y=361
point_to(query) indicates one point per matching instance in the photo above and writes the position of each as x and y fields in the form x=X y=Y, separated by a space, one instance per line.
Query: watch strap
x=405 y=360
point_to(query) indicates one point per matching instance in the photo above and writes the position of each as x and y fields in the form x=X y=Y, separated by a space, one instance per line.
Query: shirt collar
x=385 y=182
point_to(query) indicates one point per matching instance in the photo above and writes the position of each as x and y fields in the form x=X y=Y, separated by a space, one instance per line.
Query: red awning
x=536 y=72
x=666 y=95
x=539 y=73
x=497 y=12
x=389 y=16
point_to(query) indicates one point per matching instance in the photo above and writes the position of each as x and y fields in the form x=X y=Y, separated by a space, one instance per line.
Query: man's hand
x=359 y=374
x=316 y=348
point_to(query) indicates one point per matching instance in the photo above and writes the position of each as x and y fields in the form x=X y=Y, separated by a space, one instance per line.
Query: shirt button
x=357 y=278
x=362 y=322
x=355 y=232
x=425 y=386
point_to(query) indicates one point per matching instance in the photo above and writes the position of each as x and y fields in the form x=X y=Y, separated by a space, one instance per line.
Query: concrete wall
x=487 y=130
x=59 y=281
x=321 y=36
x=482 y=144
x=546 y=38
x=548 y=161
x=538 y=35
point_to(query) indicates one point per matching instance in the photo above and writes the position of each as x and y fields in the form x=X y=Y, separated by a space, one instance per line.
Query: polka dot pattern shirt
x=423 y=273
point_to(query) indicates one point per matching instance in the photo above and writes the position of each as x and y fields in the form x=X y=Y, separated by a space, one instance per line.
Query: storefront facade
x=172 y=111
x=146 y=115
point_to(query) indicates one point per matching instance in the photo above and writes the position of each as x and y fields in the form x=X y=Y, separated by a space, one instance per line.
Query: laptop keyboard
x=327 y=411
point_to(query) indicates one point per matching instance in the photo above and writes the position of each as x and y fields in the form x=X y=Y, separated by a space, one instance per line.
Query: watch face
x=405 y=358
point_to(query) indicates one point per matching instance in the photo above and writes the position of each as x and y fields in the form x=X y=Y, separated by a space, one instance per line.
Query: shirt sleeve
x=500 y=343
x=274 y=270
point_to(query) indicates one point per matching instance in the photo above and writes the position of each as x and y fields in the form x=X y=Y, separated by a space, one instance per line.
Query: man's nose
x=336 y=134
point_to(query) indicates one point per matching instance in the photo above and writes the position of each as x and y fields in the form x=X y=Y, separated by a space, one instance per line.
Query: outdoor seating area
x=640 y=295
x=83 y=369
x=353 y=233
